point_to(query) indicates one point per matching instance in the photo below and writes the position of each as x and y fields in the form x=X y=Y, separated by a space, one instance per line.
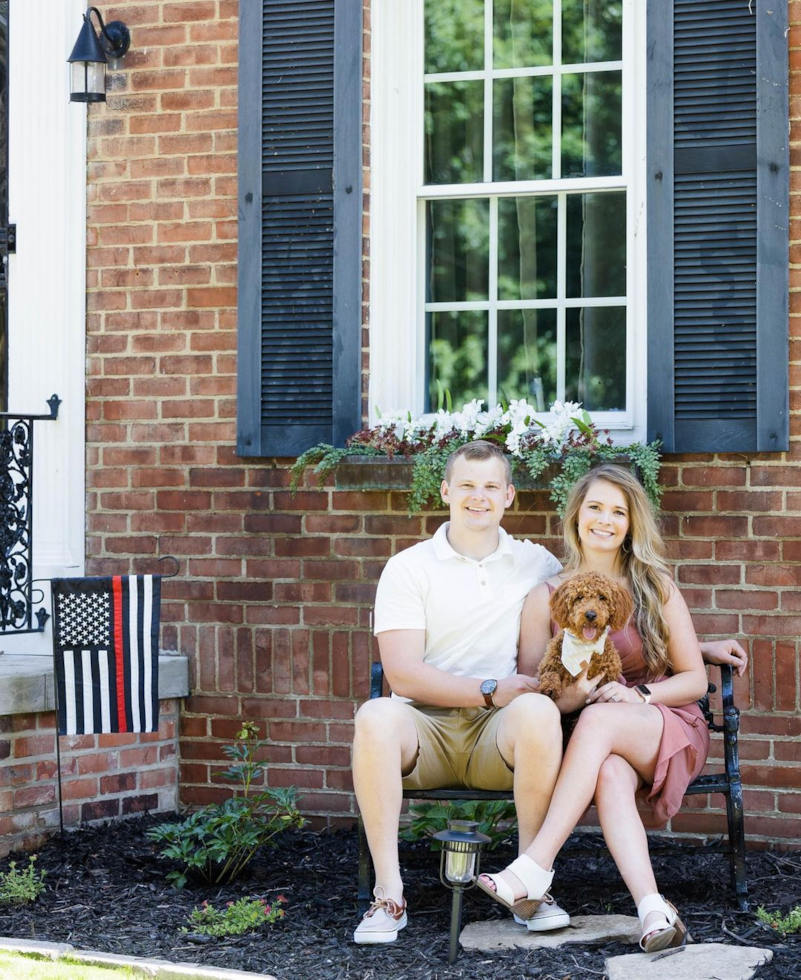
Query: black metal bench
x=726 y=782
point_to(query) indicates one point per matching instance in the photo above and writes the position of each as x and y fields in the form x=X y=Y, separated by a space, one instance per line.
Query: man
x=464 y=711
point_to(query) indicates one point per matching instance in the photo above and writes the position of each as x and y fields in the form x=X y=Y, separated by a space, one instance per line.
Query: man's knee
x=532 y=723
x=534 y=713
x=380 y=719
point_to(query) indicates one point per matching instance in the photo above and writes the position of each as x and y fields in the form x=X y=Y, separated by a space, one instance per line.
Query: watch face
x=488 y=687
x=643 y=689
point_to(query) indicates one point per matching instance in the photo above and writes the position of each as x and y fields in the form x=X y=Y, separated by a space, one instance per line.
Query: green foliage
x=218 y=841
x=246 y=915
x=430 y=818
x=21 y=887
x=428 y=473
x=324 y=459
x=783 y=924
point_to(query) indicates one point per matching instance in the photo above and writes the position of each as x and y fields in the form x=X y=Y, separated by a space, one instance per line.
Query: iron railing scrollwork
x=16 y=521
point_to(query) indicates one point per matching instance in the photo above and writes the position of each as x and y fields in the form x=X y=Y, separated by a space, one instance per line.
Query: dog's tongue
x=589 y=633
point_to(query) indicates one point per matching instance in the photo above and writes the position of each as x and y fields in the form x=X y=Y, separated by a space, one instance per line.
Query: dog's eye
x=602 y=598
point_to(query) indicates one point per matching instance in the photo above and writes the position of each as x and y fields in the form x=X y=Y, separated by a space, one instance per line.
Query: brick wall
x=274 y=599
x=102 y=776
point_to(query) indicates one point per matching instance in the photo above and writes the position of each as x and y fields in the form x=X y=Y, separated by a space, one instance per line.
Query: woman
x=645 y=738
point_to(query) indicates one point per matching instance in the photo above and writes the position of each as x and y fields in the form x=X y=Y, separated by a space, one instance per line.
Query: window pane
x=458 y=251
x=526 y=248
x=457 y=348
x=454 y=121
x=596 y=245
x=527 y=356
x=454 y=35
x=591 y=124
x=523 y=121
x=592 y=30
x=523 y=32
x=596 y=358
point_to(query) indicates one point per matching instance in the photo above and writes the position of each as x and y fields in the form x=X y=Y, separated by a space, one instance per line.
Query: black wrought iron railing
x=16 y=521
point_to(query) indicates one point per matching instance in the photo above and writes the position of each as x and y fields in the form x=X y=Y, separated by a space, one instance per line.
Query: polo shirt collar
x=443 y=549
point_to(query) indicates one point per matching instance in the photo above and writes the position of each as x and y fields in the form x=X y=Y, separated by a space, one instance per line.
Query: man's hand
x=725 y=652
x=512 y=687
x=574 y=697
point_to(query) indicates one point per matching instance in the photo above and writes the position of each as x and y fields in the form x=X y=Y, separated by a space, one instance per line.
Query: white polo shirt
x=470 y=610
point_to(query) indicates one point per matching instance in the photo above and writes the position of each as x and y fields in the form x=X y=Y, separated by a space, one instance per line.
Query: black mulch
x=106 y=891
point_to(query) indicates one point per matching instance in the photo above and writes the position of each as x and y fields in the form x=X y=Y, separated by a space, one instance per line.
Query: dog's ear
x=561 y=601
x=622 y=607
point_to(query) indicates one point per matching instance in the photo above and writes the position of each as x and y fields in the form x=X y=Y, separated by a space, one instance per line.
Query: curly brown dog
x=587 y=607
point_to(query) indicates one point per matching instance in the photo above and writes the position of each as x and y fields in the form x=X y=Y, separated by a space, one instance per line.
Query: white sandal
x=670 y=931
x=535 y=880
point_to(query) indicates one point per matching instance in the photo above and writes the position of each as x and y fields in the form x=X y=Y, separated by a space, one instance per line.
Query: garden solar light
x=91 y=55
x=458 y=869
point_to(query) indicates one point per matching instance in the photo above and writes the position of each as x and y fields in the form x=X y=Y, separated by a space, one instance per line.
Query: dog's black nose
x=590 y=615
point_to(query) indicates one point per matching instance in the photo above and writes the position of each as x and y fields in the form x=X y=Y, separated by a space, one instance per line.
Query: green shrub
x=430 y=818
x=246 y=915
x=218 y=841
x=21 y=887
x=783 y=924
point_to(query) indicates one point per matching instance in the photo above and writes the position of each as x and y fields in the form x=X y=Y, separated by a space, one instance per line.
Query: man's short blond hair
x=479 y=449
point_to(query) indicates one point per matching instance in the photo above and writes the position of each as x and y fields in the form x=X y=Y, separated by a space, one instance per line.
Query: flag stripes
x=105 y=639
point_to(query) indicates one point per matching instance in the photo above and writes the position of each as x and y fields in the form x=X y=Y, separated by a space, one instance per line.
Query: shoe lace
x=380 y=901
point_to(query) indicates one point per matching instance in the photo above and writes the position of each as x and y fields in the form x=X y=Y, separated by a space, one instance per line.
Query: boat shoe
x=382 y=921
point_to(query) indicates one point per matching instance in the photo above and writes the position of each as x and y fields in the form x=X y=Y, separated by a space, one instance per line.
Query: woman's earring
x=626 y=546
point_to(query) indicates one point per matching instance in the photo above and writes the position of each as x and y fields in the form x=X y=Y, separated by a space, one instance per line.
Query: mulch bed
x=106 y=891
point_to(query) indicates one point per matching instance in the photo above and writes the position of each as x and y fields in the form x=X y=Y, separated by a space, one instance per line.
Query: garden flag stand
x=105 y=656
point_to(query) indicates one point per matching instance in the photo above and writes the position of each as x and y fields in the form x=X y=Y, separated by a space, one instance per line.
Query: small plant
x=21 y=887
x=246 y=915
x=430 y=818
x=218 y=841
x=783 y=924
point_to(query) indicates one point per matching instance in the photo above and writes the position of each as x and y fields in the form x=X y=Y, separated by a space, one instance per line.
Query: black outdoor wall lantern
x=91 y=54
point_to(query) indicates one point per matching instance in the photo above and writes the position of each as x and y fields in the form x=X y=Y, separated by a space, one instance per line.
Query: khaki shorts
x=458 y=749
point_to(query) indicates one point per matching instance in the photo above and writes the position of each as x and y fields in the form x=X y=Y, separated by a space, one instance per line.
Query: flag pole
x=58 y=737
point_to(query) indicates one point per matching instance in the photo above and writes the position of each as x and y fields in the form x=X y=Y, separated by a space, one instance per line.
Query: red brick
x=776 y=476
x=714 y=476
x=714 y=574
x=773 y=575
x=715 y=527
x=746 y=550
x=745 y=599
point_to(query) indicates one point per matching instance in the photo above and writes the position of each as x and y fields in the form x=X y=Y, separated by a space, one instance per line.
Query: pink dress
x=685 y=737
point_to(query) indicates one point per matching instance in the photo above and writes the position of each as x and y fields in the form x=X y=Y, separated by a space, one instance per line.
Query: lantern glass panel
x=460 y=866
x=89 y=78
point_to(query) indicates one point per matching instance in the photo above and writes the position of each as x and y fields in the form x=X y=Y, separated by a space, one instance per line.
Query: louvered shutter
x=718 y=201
x=299 y=224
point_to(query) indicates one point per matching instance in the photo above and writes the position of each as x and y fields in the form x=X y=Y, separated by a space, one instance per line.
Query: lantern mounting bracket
x=116 y=38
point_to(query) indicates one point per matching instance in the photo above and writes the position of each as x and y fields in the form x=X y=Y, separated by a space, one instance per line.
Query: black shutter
x=299 y=224
x=718 y=200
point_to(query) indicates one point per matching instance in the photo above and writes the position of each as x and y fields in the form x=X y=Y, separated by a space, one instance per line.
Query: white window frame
x=398 y=199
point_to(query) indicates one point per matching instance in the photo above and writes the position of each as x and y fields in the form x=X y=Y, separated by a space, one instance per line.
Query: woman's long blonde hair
x=642 y=558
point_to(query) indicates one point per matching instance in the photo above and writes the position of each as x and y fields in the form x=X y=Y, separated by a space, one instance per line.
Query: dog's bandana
x=576 y=650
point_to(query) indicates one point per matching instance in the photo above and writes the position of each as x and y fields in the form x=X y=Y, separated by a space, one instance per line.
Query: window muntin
x=524 y=202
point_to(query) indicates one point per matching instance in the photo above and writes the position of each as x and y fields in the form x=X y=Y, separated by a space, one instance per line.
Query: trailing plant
x=430 y=818
x=567 y=440
x=217 y=842
x=21 y=887
x=246 y=915
x=783 y=924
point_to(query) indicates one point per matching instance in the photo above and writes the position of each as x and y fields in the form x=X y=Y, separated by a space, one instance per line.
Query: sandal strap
x=655 y=903
x=535 y=880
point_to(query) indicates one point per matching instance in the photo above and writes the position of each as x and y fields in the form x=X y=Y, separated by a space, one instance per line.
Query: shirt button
x=483 y=582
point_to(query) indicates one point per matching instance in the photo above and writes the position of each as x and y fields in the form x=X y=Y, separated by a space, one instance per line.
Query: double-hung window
x=517 y=149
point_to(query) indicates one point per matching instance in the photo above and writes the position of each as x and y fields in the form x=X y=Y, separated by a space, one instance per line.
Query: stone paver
x=705 y=961
x=589 y=929
x=157 y=969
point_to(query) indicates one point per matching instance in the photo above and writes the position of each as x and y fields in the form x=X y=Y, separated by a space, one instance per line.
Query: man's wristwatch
x=488 y=688
x=644 y=693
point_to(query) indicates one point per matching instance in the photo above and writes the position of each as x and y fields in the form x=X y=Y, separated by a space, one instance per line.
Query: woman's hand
x=614 y=693
x=574 y=697
x=725 y=652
